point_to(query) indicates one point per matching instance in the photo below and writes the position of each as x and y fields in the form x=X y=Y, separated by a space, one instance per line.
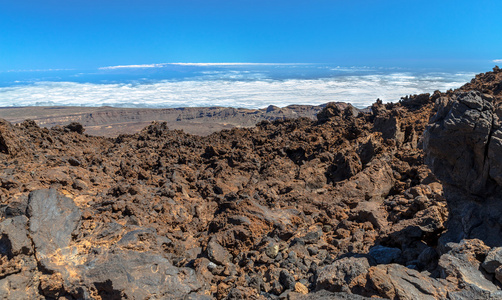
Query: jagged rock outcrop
x=458 y=143
x=463 y=147
x=487 y=83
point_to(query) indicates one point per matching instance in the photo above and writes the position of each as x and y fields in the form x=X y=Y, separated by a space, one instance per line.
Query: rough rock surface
x=342 y=207
x=52 y=219
x=463 y=146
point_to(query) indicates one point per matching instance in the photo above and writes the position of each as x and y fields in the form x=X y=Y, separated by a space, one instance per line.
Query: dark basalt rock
x=384 y=255
x=463 y=146
x=458 y=142
x=75 y=127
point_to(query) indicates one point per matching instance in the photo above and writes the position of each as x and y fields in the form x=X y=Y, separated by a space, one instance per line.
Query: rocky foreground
x=342 y=207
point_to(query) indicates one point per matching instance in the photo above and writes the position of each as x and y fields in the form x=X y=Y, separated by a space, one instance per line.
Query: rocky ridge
x=341 y=207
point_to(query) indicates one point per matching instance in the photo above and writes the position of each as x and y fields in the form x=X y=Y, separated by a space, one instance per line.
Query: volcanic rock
x=462 y=147
x=52 y=219
x=384 y=255
x=342 y=207
x=493 y=260
x=340 y=275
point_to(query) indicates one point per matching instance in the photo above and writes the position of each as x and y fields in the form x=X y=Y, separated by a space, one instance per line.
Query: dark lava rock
x=312 y=237
x=287 y=280
x=327 y=295
x=457 y=142
x=75 y=127
x=384 y=255
x=463 y=146
x=337 y=109
x=398 y=282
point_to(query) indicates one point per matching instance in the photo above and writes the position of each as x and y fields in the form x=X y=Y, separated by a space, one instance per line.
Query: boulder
x=340 y=275
x=53 y=218
x=9 y=139
x=398 y=282
x=137 y=275
x=20 y=286
x=461 y=266
x=15 y=239
x=493 y=260
x=337 y=109
x=217 y=253
x=465 y=272
x=287 y=280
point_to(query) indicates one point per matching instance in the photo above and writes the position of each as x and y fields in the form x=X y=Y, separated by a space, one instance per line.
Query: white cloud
x=197 y=65
x=361 y=91
x=236 y=64
x=497 y=60
x=132 y=67
x=38 y=70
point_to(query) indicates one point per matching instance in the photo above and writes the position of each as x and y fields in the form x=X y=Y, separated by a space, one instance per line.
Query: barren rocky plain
x=400 y=201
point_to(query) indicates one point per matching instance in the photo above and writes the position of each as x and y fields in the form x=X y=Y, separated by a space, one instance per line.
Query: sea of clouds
x=232 y=88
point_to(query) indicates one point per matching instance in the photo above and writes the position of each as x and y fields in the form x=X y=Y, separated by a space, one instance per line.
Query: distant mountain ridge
x=110 y=121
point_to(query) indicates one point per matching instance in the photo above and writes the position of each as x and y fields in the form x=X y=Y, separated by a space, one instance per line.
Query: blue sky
x=87 y=34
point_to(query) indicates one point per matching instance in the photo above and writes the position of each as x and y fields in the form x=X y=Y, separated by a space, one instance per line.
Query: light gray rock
x=53 y=218
x=272 y=249
x=466 y=272
x=19 y=286
x=338 y=276
x=493 y=260
x=138 y=275
x=17 y=240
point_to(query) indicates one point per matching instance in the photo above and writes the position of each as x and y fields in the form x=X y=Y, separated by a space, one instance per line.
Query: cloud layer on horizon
x=161 y=65
x=361 y=91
